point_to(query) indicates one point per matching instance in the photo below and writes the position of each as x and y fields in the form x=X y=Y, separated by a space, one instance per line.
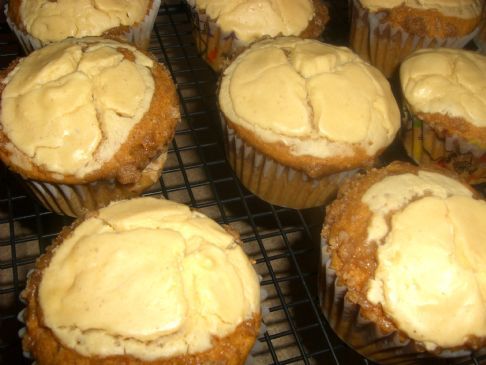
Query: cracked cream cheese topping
x=253 y=19
x=431 y=259
x=446 y=81
x=52 y=21
x=148 y=278
x=456 y=8
x=317 y=99
x=69 y=106
x=394 y=192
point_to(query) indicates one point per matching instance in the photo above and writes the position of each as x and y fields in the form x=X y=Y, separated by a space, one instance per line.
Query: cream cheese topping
x=70 y=106
x=317 y=99
x=432 y=259
x=456 y=8
x=52 y=21
x=394 y=192
x=446 y=81
x=148 y=278
x=253 y=19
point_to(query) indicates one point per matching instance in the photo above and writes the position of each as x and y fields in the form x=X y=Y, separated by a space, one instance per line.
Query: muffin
x=403 y=275
x=445 y=110
x=299 y=116
x=40 y=22
x=222 y=29
x=86 y=121
x=142 y=281
x=384 y=32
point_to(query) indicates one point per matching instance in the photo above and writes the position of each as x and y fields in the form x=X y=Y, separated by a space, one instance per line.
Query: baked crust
x=455 y=126
x=46 y=348
x=345 y=231
x=14 y=15
x=318 y=22
x=146 y=141
x=314 y=167
x=428 y=22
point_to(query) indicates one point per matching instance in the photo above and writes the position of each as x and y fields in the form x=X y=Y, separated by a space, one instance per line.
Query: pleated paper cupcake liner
x=214 y=45
x=480 y=38
x=275 y=183
x=385 y=46
x=138 y=35
x=265 y=311
x=76 y=199
x=426 y=145
x=365 y=336
x=21 y=318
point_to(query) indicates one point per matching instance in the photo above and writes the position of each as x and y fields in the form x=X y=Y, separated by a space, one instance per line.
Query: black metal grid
x=283 y=242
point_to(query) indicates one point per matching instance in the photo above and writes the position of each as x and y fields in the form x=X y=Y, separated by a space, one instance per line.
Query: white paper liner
x=480 y=38
x=252 y=358
x=274 y=182
x=376 y=41
x=21 y=318
x=215 y=46
x=75 y=200
x=363 y=335
x=264 y=311
x=425 y=145
x=138 y=35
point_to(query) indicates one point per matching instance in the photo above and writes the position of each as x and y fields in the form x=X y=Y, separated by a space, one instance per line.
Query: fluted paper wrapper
x=275 y=183
x=258 y=347
x=480 y=38
x=76 y=199
x=426 y=145
x=365 y=336
x=385 y=46
x=214 y=45
x=138 y=35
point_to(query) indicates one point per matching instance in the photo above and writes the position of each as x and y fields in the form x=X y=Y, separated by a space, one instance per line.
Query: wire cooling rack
x=284 y=243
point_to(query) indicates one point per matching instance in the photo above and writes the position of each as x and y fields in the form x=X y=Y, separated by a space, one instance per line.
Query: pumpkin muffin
x=384 y=32
x=403 y=275
x=40 y=22
x=222 y=29
x=142 y=281
x=299 y=116
x=86 y=121
x=445 y=110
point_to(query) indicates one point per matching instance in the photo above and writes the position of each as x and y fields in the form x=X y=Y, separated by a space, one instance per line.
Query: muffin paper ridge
x=75 y=199
x=426 y=145
x=272 y=181
x=378 y=44
x=215 y=46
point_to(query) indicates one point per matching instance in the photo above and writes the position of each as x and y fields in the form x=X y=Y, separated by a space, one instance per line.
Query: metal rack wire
x=284 y=243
